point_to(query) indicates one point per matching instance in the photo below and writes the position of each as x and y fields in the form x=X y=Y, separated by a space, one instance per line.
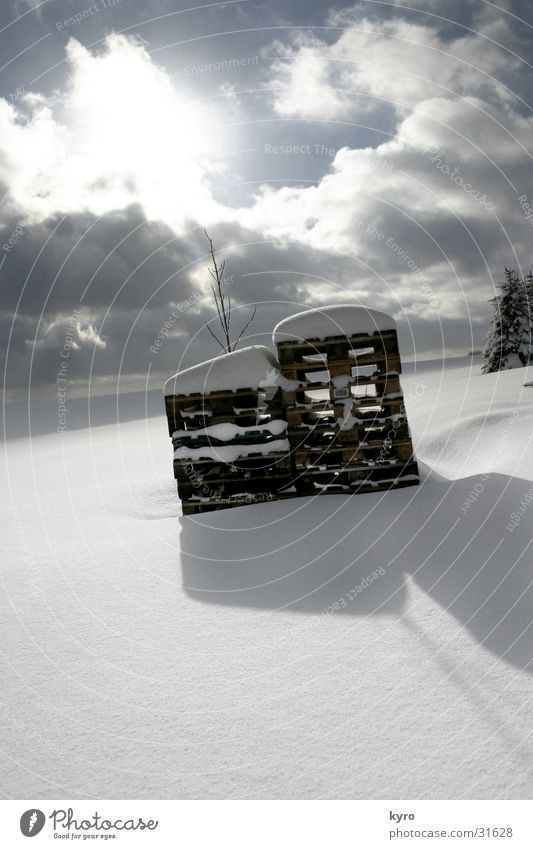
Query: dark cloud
x=127 y=275
x=121 y=278
x=146 y=276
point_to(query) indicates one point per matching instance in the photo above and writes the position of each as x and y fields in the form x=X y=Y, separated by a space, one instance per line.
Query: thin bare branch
x=246 y=326
x=222 y=301
x=215 y=337
x=216 y=304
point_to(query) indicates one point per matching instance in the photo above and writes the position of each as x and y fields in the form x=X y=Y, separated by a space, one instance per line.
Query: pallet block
x=348 y=411
x=207 y=481
x=357 y=480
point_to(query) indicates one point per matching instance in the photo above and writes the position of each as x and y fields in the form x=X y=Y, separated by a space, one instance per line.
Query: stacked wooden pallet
x=228 y=431
x=347 y=424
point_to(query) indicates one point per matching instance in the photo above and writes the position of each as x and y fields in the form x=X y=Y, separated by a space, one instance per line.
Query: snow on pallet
x=341 y=320
x=228 y=431
x=249 y=367
x=345 y=413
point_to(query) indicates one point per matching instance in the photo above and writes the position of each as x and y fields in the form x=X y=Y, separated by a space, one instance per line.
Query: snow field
x=245 y=653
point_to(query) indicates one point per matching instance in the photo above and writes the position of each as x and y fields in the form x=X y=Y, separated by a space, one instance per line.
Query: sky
x=374 y=153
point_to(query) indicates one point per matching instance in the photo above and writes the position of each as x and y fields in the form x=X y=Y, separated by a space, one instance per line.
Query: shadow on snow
x=314 y=555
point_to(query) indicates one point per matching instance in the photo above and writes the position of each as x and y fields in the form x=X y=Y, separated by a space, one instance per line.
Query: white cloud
x=120 y=134
x=302 y=75
x=123 y=135
x=66 y=333
x=423 y=214
x=396 y=62
x=444 y=188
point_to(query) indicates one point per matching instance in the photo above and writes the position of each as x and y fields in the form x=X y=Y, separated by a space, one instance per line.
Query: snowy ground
x=146 y=655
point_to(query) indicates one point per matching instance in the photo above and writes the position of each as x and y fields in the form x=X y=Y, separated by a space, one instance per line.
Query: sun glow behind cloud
x=119 y=134
x=124 y=132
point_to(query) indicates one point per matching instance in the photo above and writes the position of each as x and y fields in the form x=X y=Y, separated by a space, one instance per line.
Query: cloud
x=394 y=63
x=119 y=133
x=441 y=194
x=112 y=208
x=76 y=331
x=108 y=286
x=301 y=76
x=449 y=159
x=110 y=302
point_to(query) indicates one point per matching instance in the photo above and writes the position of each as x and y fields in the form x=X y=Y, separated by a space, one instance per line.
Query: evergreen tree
x=508 y=339
x=529 y=296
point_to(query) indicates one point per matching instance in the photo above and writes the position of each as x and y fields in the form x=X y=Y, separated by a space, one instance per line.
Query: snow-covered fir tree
x=508 y=339
x=529 y=295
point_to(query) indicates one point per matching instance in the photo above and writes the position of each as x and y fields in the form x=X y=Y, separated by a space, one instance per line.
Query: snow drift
x=373 y=646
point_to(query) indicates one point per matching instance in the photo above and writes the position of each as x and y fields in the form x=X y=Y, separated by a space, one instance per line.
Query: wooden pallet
x=191 y=506
x=370 y=431
x=334 y=377
x=363 y=479
x=207 y=483
x=291 y=352
x=342 y=454
x=382 y=362
x=243 y=407
x=241 y=466
x=326 y=454
x=326 y=397
x=217 y=489
x=219 y=493
x=195 y=440
x=266 y=472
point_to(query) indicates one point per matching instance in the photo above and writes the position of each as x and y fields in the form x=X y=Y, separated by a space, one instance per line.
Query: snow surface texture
x=340 y=320
x=244 y=369
x=373 y=646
